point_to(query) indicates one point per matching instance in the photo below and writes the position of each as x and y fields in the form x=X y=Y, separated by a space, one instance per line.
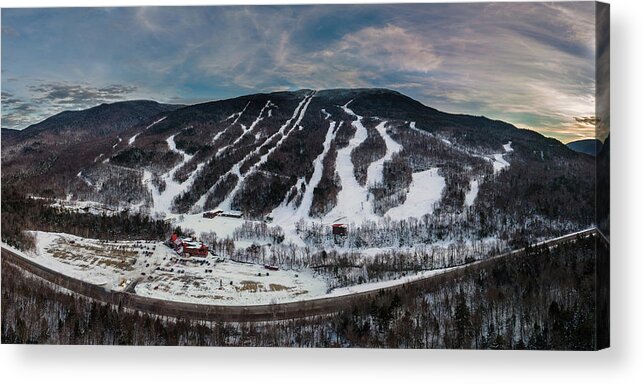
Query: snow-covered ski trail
x=118 y=142
x=163 y=200
x=376 y=169
x=133 y=138
x=470 y=196
x=286 y=214
x=227 y=202
x=425 y=190
x=353 y=203
x=247 y=130
x=236 y=119
x=198 y=206
x=499 y=162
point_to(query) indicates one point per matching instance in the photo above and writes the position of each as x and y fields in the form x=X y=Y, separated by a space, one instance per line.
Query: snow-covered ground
x=159 y=272
x=106 y=263
x=230 y=283
x=222 y=226
x=425 y=190
x=154 y=270
x=384 y=284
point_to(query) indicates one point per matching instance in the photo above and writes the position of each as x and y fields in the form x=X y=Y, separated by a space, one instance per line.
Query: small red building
x=340 y=229
x=188 y=246
x=194 y=248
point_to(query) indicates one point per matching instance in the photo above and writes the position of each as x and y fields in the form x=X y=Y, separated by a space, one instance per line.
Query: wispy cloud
x=388 y=48
x=531 y=64
x=79 y=94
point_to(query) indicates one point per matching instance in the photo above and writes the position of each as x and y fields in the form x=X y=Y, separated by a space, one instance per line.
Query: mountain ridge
x=352 y=153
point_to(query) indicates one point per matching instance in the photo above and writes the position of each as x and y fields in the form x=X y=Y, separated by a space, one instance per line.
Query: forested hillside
x=543 y=300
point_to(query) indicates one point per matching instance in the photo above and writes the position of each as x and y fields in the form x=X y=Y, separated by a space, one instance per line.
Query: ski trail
x=85 y=179
x=238 y=116
x=425 y=190
x=133 y=138
x=499 y=162
x=252 y=126
x=163 y=200
x=235 y=169
x=226 y=204
x=286 y=214
x=470 y=196
x=375 y=172
x=307 y=200
x=445 y=141
x=119 y=141
x=353 y=203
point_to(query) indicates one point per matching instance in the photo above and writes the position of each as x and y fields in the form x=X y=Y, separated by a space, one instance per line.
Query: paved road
x=267 y=312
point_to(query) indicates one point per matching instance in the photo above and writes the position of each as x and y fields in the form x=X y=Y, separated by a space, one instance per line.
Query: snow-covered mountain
x=356 y=156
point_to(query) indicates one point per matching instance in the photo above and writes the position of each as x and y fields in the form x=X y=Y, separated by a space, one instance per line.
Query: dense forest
x=545 y=299
x=20 y=214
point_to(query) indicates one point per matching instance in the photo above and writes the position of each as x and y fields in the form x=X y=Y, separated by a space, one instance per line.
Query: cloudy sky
x=531 y=64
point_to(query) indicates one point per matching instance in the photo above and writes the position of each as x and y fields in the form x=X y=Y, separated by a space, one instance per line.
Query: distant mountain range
x=342 y=154
x=587 y=146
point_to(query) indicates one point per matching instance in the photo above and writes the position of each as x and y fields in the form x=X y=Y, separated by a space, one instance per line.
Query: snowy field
x=229 y=283
x=151 y=269
x=154 y=270
x=110 y=264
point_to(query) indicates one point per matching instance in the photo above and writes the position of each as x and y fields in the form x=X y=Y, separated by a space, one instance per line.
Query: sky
x=530 y=64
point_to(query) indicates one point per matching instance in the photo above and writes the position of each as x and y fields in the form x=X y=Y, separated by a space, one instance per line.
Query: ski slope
x=283 y=132
x=499 y=162
x=376 y=168
x=287 y=215
x=163 y=200
x=470 y=196
x=236 y=116
x=353 y=202
x=424 y=192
